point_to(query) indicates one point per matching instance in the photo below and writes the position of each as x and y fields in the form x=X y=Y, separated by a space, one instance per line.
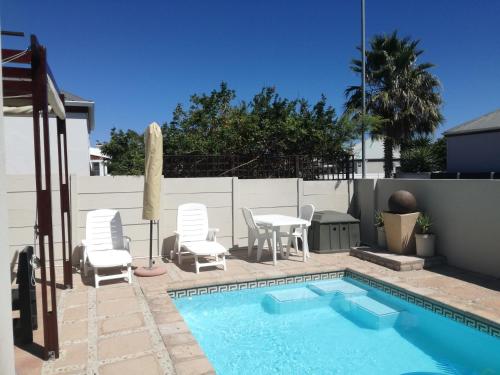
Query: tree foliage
x=399 y=90
x=126 y=150
x=423 y=155
x=268 y=124
x=216 y=124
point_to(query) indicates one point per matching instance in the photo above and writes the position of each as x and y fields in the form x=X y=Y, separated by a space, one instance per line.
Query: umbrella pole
x=150 y=244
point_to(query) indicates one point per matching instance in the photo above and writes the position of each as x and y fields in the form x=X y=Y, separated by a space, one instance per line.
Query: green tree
x=267 y=125
x=216 y=124
x=126 y=153
x=440 y=152
x=423 y=155
x=399 y=90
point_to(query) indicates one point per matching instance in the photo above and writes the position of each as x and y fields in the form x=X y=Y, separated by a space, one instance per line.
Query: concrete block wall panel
x=215 y=193
x=21 y=206
x=224 y=198
x=264 y=196
x=328 y=195
x=364 y=209
x=465 y=218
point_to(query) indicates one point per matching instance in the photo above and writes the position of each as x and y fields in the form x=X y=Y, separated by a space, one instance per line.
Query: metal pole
x=363 y=89
x=150 y=244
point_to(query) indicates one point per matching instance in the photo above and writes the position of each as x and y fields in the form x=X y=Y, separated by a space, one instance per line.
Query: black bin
x=333 y=231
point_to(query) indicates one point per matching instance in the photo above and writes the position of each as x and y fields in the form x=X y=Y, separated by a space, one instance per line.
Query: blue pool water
x=332 y=327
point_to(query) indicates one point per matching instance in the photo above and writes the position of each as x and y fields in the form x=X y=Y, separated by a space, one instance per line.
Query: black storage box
x=333 y=231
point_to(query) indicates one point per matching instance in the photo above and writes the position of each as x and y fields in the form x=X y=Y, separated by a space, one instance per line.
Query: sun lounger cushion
x=204 y=247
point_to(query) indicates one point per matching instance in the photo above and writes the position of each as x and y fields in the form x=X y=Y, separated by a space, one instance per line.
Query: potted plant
x=379 y=224
x=425 y=240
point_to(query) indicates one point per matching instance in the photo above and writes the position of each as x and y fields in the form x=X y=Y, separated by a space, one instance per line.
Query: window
x=94 y=168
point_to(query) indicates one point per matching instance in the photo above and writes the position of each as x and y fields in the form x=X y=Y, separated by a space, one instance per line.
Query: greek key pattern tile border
x=179 y=293
x=436 y=307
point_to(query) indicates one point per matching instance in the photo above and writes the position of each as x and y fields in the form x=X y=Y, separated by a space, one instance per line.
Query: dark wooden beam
x=16 y=88
x=44 y=198
x=23 y=59
x=12 y=33
x=15 y=72
x=62 y=154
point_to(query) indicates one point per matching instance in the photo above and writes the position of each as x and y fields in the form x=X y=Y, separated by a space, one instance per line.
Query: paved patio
x=131 y=329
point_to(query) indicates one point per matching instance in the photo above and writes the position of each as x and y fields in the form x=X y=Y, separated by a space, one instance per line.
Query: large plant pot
x=400 y=232
x=425 y=244
x=381 y=241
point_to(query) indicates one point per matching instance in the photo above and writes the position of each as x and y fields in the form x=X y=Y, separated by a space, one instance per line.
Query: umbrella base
x=149 y=272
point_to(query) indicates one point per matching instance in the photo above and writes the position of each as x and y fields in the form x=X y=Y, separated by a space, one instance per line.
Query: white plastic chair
x=257 y=233
x=306 y=212
x=194 y=237
x=105 y=246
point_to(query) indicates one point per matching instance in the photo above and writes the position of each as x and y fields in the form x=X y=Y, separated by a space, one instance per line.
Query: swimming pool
x=337 y=326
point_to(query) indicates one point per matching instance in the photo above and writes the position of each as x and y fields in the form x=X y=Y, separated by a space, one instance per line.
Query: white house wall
x=7 y=345
x=20 y=158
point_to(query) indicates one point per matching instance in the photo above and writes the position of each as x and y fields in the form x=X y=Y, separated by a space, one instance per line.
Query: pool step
x=336 y=287
x=368 y=311
x=288 y=300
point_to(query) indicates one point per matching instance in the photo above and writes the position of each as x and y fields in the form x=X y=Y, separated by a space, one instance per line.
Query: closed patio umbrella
x=153 y=166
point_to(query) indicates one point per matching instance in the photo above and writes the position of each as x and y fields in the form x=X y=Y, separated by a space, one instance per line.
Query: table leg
x=274 y=246
x=305 y=245
x=285 y=252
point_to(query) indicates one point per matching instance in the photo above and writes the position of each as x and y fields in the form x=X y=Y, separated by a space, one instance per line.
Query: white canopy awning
x=56 y=106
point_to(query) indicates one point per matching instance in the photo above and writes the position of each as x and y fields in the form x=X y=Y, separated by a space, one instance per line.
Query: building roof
x=96 y=152
x=374 y=150
x=486 y=123
x=70 y=97
x=77 y=103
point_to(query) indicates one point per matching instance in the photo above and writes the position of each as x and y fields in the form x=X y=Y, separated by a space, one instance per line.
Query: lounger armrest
x=126 y=241
x=84 y=248
x=212 y=234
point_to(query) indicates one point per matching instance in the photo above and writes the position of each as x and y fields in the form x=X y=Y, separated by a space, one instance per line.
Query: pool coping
x=457 y=314
x=189 y=358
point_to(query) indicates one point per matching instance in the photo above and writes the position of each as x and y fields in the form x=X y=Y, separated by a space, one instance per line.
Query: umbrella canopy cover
x=152 y=172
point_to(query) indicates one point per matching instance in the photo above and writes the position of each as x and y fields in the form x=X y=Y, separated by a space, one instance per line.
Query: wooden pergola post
x=62 y=152
x=44 y=197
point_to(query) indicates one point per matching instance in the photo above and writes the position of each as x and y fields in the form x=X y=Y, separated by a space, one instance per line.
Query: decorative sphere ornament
x=402 y=202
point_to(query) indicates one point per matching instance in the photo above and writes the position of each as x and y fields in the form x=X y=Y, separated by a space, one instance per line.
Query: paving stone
x=194 y=367
x=117 y=306
x=76 y=313
x=72 y=356
x=73 y=331
x=178 y=339
x=142 y=365
x=179 y=353
x=76 y=299
x=121 y=323
x=174 y=327
x=107 y=294
x=122 y=345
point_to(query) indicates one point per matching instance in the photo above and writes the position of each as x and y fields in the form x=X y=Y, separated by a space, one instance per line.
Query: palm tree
x=399 y=90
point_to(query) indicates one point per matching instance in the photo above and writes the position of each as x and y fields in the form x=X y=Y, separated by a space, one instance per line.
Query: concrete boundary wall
x=224 y=197
x=465 y=213
x=465 y=216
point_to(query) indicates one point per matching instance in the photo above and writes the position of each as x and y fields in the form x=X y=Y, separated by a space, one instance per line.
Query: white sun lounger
x=105 y=245
x=194 y=237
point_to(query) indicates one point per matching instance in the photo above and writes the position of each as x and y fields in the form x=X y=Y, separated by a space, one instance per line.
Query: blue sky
x=138 y=59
